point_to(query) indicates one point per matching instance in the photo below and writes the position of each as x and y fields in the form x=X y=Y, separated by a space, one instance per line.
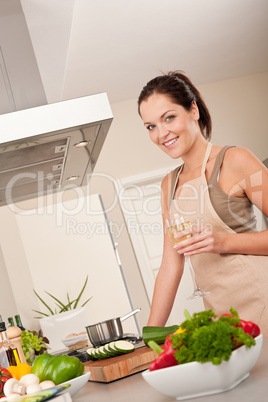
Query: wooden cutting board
x=111 y=369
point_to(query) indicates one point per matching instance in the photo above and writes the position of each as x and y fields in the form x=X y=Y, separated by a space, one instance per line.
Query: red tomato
x=4 y=376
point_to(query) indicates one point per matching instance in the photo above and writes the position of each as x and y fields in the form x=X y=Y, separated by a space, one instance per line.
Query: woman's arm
x=242 y=175
x=166 y=284
x=169 y=274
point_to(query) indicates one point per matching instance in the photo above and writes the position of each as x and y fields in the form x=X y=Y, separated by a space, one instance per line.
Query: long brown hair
x=181 y=91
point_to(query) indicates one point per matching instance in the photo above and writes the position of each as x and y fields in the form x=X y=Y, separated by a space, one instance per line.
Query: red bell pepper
x=248 y=327
x=166 y=355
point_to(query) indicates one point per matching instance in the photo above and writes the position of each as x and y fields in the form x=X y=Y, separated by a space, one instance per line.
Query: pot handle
x=130 y=314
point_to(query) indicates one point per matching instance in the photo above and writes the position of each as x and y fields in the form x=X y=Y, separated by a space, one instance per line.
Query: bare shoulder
x=241 y=159
x=242 y=172
x=239 y=152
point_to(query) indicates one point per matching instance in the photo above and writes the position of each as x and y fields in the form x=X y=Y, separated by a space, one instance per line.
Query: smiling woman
x=169 y=129
x=214 y=189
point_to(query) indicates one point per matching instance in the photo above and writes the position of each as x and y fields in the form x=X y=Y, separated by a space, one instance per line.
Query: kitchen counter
x=135 y=389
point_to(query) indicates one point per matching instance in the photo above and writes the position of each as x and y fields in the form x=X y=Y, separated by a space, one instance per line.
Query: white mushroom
x=33 y=388
x=13 y=386
x=46 y=384
x=29 y=379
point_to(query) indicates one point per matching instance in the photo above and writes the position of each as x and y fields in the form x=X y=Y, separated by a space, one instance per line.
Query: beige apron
x=236 y=280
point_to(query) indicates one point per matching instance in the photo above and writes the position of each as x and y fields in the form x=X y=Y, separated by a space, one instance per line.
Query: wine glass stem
x=188 y=259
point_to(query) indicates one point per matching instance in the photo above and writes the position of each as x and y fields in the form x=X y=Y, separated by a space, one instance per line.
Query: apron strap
x=203 y=169
x=174 y=181
x=176 y=172
x=217 y=165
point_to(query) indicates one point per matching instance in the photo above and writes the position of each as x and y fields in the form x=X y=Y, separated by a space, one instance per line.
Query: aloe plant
x=71 y=304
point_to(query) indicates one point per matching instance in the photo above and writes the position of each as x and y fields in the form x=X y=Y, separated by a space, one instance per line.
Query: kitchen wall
x=238 y=108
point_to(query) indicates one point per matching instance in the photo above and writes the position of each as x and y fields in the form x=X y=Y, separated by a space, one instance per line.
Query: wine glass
x=175 y=224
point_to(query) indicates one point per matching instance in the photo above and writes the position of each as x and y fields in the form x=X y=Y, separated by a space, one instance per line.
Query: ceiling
x=90 y=46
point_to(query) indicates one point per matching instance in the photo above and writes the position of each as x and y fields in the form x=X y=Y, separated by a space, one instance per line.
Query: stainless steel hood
x=48 y=148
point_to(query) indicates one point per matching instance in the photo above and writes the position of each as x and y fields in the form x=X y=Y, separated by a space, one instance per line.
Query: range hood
x=49 y=148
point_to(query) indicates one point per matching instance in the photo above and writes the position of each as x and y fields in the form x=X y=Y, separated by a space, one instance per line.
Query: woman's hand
x=202 y=240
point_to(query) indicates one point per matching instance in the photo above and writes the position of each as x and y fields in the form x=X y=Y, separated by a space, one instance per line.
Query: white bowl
x=194 y=379
x=76 y=383
x=74 y=339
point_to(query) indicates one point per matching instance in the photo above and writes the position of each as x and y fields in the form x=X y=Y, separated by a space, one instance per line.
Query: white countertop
x=135 y=389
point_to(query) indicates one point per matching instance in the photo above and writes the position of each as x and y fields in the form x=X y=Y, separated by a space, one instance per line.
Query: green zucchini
x=93 y=354
x=90 y=352
x=124 y=346
x=112 y=349
x=102 y=352
x=157 y=334
x=97 y=353
x=109 y=351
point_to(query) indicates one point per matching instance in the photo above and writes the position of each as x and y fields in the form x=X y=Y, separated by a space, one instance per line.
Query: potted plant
x=63 y=307
x=64 y=319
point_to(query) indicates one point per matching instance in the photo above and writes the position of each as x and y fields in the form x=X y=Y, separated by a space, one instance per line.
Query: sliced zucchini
x=90 y=352
x=97 y=353
x=108 y=351
x=112 y=349
x=124 y=346
x=93 y=354
x=102 y=352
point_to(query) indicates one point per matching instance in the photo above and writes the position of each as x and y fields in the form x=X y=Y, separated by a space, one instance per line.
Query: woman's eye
x=168 y=118
x=150 y=127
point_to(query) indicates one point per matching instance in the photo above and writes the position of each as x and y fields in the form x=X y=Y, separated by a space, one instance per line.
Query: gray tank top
x=237 y=213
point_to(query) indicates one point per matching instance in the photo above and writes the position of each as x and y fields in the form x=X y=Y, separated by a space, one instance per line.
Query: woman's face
x=170 y=125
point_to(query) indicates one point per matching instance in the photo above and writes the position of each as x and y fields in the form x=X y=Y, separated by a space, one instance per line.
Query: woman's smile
x=169 y=144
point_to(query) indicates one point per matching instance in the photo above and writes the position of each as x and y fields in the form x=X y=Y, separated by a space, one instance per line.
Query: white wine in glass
x=175 y=225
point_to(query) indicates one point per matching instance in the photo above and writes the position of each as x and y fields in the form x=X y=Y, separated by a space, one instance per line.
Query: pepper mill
x=14 y=335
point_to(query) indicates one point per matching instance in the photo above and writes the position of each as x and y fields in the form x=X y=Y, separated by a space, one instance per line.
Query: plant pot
x=57 y=327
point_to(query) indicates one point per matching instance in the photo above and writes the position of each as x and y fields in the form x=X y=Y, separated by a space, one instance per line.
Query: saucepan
x=107 y=331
